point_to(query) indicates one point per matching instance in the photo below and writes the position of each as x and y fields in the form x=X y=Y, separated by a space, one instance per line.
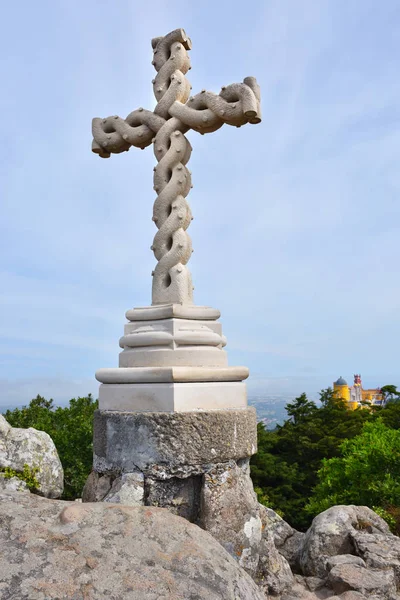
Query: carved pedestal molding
x=172 y=359
x=185 y=342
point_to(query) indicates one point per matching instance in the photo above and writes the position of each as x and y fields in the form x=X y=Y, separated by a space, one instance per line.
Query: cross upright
x=175 y=114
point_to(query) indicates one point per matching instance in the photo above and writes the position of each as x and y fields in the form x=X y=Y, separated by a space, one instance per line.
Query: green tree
x=390 y=393
x=366 y=473
x=276 y=482
x=283 y=469
x=71 y=429
x=390 y=415
x=301 y=409
x=286 y=466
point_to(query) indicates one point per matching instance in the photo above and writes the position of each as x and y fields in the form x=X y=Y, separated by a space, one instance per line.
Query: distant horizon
x=19 y=393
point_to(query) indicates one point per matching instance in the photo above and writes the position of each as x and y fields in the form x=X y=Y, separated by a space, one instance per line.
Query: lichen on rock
x=21 y=448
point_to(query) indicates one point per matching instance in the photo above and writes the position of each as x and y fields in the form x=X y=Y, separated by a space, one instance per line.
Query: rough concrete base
x=165 y=444
x=197 y=466
x=166 y=455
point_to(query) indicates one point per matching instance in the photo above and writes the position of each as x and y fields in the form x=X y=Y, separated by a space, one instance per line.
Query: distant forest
x=320 y=456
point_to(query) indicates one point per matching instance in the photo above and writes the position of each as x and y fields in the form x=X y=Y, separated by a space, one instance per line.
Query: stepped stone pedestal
x=173 y=427
x=173 y=408
x=172 y=359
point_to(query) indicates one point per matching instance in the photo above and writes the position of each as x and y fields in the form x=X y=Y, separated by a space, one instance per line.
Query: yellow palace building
x=355 y=395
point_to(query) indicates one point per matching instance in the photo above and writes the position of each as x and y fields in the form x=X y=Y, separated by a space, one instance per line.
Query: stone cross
x=175 y=114
x=173 y=428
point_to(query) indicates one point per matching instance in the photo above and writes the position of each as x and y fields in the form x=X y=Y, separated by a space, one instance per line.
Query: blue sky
x=296 y=230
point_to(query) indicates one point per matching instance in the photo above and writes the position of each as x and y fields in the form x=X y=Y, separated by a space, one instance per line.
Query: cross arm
x=115 y=135
x=236 y=104
x=174 y=114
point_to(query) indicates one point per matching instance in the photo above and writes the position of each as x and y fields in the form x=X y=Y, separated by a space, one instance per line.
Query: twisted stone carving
x=173 y=116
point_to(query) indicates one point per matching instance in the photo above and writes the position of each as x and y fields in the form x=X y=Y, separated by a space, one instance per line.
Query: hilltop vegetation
x=327 y=455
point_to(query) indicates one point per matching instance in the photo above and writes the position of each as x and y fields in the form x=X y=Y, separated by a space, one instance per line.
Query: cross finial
x=174 y=115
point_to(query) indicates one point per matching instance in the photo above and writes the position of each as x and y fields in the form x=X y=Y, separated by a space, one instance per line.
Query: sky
x=296 y=220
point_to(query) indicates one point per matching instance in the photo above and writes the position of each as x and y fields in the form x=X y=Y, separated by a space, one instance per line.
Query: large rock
x=127 y=489
x=379 y=551
x=274 y=570
x=231 y=513
x=370 y=582
x=286 y=539
x=352 y=549
x=344 y=559
x=19 y=447
x=97 y=487
x=67 y=550
x=331 y=533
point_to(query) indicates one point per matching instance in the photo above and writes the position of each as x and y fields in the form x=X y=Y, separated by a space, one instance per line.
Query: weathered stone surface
x=172 y=444
x=4 y=429
x=346 y=577
x=274 y=573
x=353 y=596
x=231 y=513
x=180 y=496
x=314 y=583
x=96 y=487
x=379 y=551
x=127 y=489
x=352 y=548
x=344 y=559
x=68 y=550
x=287 y=540
x=331 y=534
x=19 y=447
x=12 y=484
x=299 y=592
